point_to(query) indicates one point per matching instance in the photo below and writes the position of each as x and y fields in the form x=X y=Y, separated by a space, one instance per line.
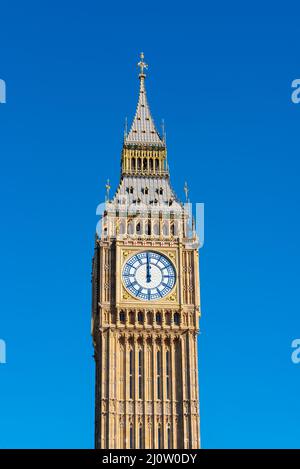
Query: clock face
x=149 y=275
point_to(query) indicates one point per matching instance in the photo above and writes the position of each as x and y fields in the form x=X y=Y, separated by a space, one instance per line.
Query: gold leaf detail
x=171 y=255
x=125 y=254
x=172 y=297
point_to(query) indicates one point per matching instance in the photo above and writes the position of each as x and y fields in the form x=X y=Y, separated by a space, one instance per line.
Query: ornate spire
x=143 y=130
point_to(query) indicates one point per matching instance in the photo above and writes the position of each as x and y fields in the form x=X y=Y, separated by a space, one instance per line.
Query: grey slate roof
x=143 y=129
x=152 y=192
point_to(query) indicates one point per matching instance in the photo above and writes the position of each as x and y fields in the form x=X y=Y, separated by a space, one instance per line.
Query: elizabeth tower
x=146 y=302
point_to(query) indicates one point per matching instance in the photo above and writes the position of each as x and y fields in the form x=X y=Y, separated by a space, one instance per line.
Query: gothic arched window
x=158 y=376
x=156 y=229
x=169 y=437
x=130 y=228
x=159 y=438
x=122 y=316
x=131 y=437
x=131 y=374
x=176 y=319
x=140 y=317
x=140 y=374
x=168 y=318
x=148 y=227
x=140 y=437
x=122 y=227
x=131 y=317
x=168 y=374
x=165 y=229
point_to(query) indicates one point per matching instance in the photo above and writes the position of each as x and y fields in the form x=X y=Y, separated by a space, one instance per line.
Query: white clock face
x=149 y=275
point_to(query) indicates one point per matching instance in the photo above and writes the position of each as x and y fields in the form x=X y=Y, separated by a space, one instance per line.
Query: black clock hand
x=148 y=269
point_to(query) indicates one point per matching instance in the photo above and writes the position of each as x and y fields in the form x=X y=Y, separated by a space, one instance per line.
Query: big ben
x=146 y=301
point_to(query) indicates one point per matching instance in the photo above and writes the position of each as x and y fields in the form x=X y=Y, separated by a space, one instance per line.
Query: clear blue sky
x=220 y=75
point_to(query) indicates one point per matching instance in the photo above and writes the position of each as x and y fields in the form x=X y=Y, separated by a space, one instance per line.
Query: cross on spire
x=107 y=187
x=142 y=64
x=186 y=190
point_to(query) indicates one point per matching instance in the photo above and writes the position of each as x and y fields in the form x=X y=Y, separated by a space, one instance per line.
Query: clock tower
x=146 y=302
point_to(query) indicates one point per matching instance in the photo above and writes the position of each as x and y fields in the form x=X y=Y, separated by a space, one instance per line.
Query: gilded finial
x=142 y=65
x=125 y=128
x=107 y=187
x=163 y=130
x=186 y=190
